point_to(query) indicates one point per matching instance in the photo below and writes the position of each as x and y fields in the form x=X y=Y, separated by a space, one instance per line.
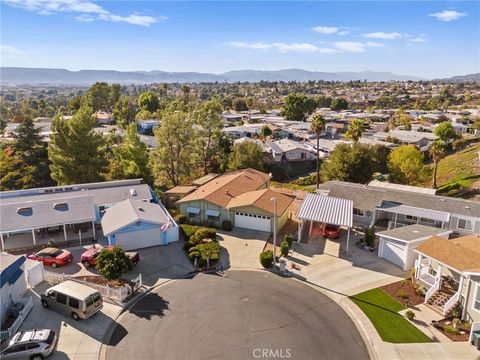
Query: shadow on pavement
x=151 y=305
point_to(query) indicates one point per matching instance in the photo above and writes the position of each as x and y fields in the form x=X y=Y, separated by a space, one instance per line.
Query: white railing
x=451 y=302
x=115 y=293
x=27 y=307
x=432 y=290
x=393 y=225
x=424 y=274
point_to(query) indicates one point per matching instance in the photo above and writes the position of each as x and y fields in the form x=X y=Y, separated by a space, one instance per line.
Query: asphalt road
x=244 y=315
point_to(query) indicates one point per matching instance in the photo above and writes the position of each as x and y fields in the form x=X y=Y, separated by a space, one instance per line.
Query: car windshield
x=331 y=227
x=57 y=253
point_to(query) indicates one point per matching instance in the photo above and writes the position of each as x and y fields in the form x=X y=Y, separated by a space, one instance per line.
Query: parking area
x=240 y=248
x=157 y=264
x=77 y=339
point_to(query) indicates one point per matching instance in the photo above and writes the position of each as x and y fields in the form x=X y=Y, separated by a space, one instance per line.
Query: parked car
x=89 y=257
x=30 y=344
x=73 y=299
x=52 y=256
x=328 y=230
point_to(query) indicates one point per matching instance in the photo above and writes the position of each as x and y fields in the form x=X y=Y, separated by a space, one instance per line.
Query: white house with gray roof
x=32 y=217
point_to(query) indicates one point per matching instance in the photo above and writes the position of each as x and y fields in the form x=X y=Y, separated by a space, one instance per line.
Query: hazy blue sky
x=427 y=39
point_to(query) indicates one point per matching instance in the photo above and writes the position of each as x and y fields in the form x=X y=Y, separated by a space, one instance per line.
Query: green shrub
x=188 y=244
x=205 y=253
x=227 y=225
x=284 y=248
x=451 y=330
x=194 y=254
x=188 y=230
x=112 y=263
x=289 y=239
x=305 y=181
x=410 y=315
x=204 y=233
x=266 y=259
x=370 y=236
x=420 y=290
x=401 y=294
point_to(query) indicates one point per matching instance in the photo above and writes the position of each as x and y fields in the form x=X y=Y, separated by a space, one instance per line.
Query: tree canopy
x=297 y=107
x=148 y=100
x=405 y=164
x=246 y=155
x=445 y=131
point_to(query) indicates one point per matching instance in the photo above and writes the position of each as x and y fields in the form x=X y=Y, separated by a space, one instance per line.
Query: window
x=358 y=212
x=410 y=217
x=61 y=298
x=32 y=346
x=61 y=206
x=96 y=297
x=476 y=299
x=428 y=221
x=464 y=224
x=52 y=294
x=74 y=303
x=89 y=301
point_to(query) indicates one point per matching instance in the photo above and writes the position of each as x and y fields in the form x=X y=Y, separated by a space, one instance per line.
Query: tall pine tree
x=75 y=150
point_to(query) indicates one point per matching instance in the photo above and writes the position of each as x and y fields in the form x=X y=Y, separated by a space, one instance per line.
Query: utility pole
x=274 y=199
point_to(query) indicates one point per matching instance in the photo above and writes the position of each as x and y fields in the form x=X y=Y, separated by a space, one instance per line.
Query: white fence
x=27 y=307
x=432 y=290
x=34 y=272
x=115 y=293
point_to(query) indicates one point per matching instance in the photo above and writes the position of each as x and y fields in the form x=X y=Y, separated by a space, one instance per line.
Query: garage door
x=252 y=221
x=139 y=239
x=393 y=252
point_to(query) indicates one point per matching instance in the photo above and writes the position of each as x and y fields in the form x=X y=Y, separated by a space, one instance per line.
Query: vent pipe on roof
x=133 y=192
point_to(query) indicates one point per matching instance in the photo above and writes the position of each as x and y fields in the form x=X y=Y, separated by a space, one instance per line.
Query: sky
x=429 y=39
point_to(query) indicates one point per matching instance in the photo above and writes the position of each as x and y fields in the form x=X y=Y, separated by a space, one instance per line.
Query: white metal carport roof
x=326 y=209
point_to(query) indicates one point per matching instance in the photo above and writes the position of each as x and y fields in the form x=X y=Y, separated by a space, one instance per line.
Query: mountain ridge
x=35 y=76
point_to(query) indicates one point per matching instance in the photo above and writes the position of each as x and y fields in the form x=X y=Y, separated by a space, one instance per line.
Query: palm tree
x=437 y=153
x=317 y=126
x=355 y=130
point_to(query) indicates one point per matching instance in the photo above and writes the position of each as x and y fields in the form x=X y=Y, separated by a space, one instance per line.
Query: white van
x=73 y=299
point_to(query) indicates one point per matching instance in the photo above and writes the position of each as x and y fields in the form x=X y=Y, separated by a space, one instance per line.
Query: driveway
x=77 y=339
x=242 y=315
x=326 y=264
x=240 y=248
x=157 y=264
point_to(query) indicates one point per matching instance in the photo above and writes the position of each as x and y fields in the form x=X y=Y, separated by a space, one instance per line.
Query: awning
x=192 y=210
x=213 y=213
x=326 y=209
x=417 y=212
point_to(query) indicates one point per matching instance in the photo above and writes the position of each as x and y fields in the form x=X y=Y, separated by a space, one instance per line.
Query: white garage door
x=252 y=221
x=394 y=253
x=139 y=239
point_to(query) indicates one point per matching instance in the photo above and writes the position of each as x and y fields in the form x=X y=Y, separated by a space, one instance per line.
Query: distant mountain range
x=16 y=76
x=463 y=78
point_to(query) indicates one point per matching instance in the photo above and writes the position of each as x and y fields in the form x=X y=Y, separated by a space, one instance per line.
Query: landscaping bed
x=459 y=333
x=201 y=246
x=382 y=310
x=405 y=292
x=100 y=280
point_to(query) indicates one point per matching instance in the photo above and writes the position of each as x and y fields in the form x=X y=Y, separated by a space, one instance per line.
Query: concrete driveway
x=77 y=339
x=240 y=248
x=157 y=264
x=326 y=264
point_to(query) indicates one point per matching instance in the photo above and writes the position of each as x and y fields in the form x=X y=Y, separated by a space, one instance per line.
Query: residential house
x=247 y=130
x=289 y=150
x=146 y=126
x=240 y=197
x=13 y=282
x=72 y=212
x=450 y=269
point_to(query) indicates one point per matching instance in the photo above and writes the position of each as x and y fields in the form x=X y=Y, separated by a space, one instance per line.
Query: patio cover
x=414 y=211
x=326 y=209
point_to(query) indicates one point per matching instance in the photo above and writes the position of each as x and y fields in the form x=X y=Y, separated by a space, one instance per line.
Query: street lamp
x=274 y=199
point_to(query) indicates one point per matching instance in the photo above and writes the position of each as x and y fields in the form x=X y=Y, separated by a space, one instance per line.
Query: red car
x=52 y=256
x=332 y=231
x=89 y=257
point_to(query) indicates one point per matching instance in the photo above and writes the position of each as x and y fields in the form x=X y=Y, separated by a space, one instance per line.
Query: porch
x=446 y=287
x=41 y=236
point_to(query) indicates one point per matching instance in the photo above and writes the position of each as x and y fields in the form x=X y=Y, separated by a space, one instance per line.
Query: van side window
x=52 y=294
x=61 y=298
x=74 y=303
x=96 y=297
x=89 y=301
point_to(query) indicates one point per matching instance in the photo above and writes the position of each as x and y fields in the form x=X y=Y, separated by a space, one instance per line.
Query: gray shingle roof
x=129 y=212
x=412 y=232
x=367 y=198
x=42 y=213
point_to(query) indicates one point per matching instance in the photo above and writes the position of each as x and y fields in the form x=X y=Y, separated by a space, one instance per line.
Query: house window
x=410 y=217
x=428 y=221
x=476 y=299
x=358 y=212
x=464 y=224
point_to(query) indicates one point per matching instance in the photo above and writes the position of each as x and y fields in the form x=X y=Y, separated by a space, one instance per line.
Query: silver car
x=30 y=344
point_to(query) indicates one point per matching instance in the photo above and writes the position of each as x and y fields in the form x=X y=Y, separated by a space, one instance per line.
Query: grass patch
x=457 y=172
x=382 y=310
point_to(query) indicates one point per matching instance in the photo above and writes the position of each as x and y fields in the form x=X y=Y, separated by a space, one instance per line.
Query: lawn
x=382 y=310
